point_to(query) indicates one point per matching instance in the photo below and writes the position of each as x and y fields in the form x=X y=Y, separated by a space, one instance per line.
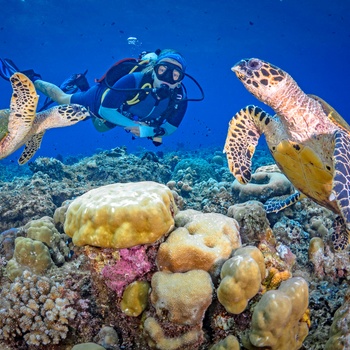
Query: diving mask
x=169 y=72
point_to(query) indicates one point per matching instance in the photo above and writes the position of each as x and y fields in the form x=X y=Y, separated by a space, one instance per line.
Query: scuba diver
x=145 y=96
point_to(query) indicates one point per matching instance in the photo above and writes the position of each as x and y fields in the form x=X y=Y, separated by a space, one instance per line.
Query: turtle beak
x=240 y=69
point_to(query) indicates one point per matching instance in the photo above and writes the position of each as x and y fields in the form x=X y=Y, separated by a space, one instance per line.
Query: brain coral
x=121 y=215
x=205 y=241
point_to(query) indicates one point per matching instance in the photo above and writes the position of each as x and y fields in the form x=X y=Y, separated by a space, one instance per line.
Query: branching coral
x=34 y=308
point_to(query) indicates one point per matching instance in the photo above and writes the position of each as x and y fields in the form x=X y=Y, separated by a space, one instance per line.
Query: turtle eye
x=254 y=64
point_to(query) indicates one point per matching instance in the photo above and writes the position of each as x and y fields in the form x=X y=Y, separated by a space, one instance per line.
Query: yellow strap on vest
x=104 y=95
x=132 y=102
x=135 y=99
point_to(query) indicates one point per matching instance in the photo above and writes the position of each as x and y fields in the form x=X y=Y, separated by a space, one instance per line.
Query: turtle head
x=260 y=78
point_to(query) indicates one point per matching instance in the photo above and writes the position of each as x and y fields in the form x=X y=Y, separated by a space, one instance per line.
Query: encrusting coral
x=229 y=343
x=252 y=220
x=135 y=298
x=121 y=215
x=158 y=339
x=241 y=278
x=316 y=255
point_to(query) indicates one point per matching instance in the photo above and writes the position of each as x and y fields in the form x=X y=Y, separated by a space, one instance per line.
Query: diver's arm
x=168 y=127
x=172 y=121
x=175 y=117
x=114 y=99
x=52 y=91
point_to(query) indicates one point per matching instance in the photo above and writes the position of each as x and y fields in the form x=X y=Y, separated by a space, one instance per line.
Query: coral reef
x=107 y=290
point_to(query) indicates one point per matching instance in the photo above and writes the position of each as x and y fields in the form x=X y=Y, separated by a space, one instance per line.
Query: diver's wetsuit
x=154 y=117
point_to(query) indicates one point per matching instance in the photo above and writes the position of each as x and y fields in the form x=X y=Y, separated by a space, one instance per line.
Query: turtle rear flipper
x=341 y=186
x=31 y=146
x=275 y=205
x=242 y=138
x=340 y=235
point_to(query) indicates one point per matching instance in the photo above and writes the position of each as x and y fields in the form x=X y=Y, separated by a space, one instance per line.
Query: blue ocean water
x=310 y=40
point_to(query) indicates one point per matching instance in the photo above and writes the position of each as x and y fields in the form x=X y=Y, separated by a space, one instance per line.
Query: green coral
x=30 y=254
x=135 y=298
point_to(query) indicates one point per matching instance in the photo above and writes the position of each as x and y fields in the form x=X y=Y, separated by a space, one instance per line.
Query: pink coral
x=133 y=263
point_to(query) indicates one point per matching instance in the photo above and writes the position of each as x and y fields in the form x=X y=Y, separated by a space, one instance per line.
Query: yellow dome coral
x=241 y=278
x=278 y=321
x=121 y=215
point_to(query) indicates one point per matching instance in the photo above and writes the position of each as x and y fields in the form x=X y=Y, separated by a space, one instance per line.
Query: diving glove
x=74 y=82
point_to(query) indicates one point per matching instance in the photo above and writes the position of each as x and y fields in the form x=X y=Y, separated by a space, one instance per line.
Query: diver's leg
x=52 y=91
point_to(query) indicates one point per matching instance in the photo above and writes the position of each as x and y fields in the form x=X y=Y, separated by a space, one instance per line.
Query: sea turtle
x=21 y=125
x=308 y=139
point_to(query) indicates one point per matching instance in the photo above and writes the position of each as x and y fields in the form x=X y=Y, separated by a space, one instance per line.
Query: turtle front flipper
x=274 y=205
x=23 y=105
x=341 y=187
x=242 y=138
x=32 y=145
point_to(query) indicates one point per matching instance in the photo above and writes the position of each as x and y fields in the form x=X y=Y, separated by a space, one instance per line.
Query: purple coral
x=133 y=263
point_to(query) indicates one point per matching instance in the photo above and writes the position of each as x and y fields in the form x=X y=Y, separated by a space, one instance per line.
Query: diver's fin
x=7 y=68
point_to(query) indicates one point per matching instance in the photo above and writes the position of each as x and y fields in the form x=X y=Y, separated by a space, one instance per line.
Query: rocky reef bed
x=165 y=251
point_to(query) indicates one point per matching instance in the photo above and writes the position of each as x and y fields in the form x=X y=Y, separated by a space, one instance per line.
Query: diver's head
x=169 y=69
